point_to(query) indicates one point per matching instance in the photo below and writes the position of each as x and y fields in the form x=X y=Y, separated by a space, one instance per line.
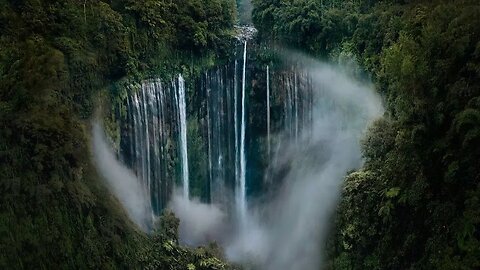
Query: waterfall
x=242 y=200
x=183 y=134
x=156 y=139
x=296 y=91
x=218 y=111
x=295 y=102
x=216 y=152
x=156 y=125
x=268 y=111
x=235 y=120
x=209 y=138
x=154 y=135
x=288 y=105
x=309 y=158
x=220 y=169
x=214 y=130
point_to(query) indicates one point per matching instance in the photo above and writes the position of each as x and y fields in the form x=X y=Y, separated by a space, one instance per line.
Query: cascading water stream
x=310 y=158
x=295 y=102
x=242 y=200
x=209 y=139
x=157 y=137
x=268 y=111
x=183 y=135
x=157 y=125
x=147 y=146
x=235 y=120
x=157 y=133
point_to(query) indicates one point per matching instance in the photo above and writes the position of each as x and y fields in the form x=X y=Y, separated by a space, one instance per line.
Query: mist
x=121 y=181
x=199 y=223
x=289 y=231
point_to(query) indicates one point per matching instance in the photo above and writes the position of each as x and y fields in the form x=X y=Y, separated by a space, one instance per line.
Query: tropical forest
x=240 y=135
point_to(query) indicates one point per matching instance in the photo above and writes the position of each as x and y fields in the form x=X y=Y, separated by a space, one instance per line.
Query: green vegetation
x=165 y=253
x=55 y=59
x=415 y=204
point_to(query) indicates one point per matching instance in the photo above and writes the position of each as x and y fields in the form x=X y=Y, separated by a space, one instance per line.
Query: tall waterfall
x=207 y=156
x=183 y=134
x=295 y=102
x=268 y=111
x=235 y=93
x=155 y=139
x=146 y=88
x=242 y=194
x=156 y=125
x=309 y=159
x=209 y=138
x=295 y=88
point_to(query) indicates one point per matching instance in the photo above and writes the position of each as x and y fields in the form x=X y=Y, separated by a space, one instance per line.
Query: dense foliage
x=164 y=251
x=55 y=58
x=415 y=204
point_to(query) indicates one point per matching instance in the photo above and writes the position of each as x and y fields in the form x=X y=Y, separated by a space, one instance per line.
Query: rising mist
x=288 y=232
x=200 y=223
x=123 y=182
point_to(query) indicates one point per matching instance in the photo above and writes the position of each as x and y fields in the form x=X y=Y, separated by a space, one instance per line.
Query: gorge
x=222 y=135
x=319 y=113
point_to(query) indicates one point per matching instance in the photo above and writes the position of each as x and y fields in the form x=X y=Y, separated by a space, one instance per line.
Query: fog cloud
x=288 y=233
x=120 y=180
x=199 y=223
